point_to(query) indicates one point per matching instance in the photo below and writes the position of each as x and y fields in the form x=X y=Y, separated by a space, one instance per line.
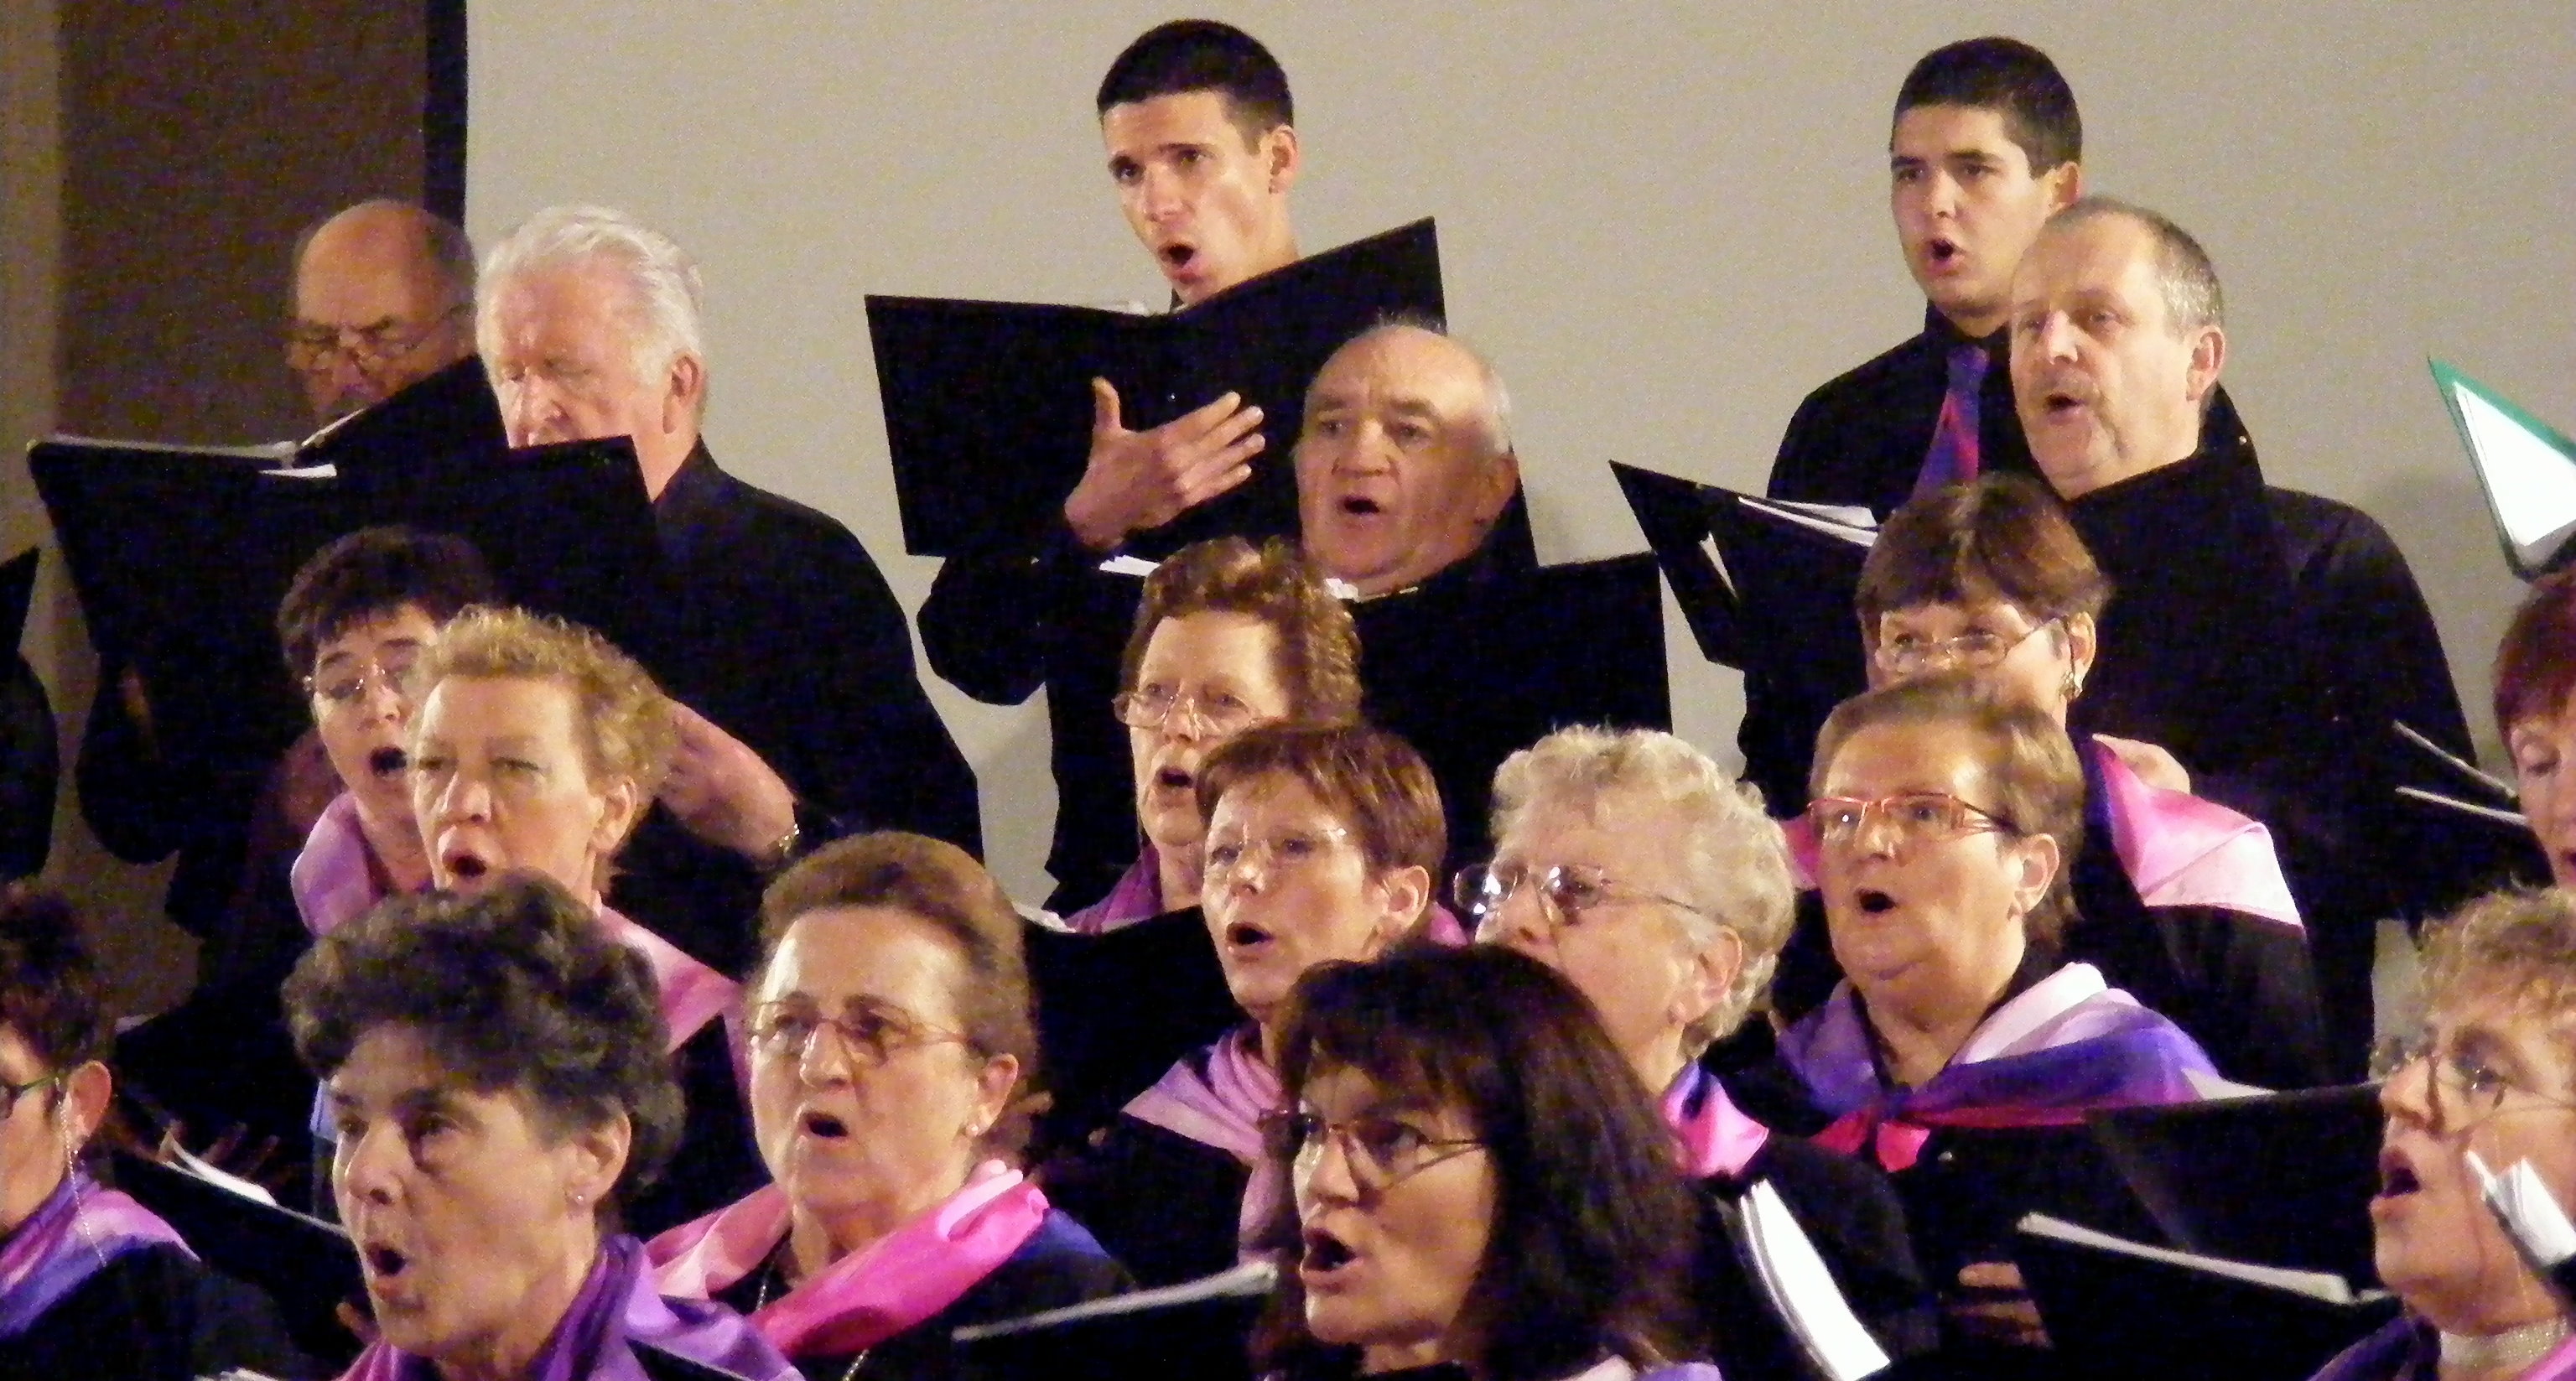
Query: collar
x=693 y=486
x=1943 y=334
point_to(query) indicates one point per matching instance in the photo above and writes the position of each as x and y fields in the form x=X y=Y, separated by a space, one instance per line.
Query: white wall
x=1665 y=222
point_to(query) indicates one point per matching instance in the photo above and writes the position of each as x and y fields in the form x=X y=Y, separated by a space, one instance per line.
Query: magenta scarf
x=867 y=1296
x=1716 y=1138
x=70 y=1237
x=1218 y=1098
x=617 y=1306
x=2181 y=850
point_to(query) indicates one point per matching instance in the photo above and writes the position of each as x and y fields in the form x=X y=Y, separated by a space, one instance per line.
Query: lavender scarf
x=1218 y=1099
x=70 y=1237
x=616 y=1306
x=2069 y=1044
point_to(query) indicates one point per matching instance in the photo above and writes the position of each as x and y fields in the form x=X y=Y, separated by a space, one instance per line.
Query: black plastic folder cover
x=988 y=405
x=180 y=560
x=17 y=592
x=308 y=1266
x=2282 y=1179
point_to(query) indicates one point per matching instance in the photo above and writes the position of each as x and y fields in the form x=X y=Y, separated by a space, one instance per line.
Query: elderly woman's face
x=500 y=783
x=2031 y=661
x=1288 y=888
x=2544 y=771
x=2498 y=1081
x=1395 y=1204
x=1219 y=674
x=466 y=1214
x=360 y=710
x=864 y=1092
x=1907 y=896
x=1629 y=949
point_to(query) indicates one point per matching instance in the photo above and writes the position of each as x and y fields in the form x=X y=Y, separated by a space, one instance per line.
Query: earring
x=2074 y=685
x=579 y=1199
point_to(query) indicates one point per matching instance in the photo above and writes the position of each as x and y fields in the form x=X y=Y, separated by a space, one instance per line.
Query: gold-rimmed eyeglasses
x=310 y=345
x=872 y=1032
x=1915 y=816
x=1977 y=649
x=1381 y=1150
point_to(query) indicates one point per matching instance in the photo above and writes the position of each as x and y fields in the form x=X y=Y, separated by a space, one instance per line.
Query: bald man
x=384 y=298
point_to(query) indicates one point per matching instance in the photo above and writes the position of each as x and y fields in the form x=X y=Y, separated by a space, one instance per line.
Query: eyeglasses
x=1915 y=816
x=1568 y=890
x=2478 y=1088
x=1976 y=649
x=873 y=1033
x=346 y=686
x=311 y=345
x=1281 y=853
x=9 y=1105
x=1216 y=712
x=1381 y=1151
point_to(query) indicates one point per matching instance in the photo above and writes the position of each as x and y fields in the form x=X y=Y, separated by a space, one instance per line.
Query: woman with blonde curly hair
x=1632 y=864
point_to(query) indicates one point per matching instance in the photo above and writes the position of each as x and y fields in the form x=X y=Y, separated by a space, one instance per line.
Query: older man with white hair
x=804 y=717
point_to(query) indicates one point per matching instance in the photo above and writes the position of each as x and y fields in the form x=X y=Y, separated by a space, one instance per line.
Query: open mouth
x=384 y=1262
x=1874 y=902
x=2396 y=1175
x=387 y=761
x=823 y=1124
x=1173 y=779
x=465 y=866
x=1245 y=935
x=2061 y=403
x=1361 y=506
x=1177 y=257
x=1324 y=1252
x=1941 y=253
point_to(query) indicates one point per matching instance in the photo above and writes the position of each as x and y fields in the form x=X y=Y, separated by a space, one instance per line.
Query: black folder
x=449 y=414
x=1199 y=1330
x=17 y=594
x=180 y=561
x=1116 y=1010
x=1969 y=1186
x=1781 y=602
x=1471 y=671
x=308 y=1266
x=988 y=404
x=2118 y=1315
x=2282 y=1179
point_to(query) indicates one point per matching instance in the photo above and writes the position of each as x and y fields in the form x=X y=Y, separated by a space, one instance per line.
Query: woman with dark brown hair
x=1321 y=845
x=1230 y=636
x=892 y=1054
x=1477 y=1179
x=2179 y=900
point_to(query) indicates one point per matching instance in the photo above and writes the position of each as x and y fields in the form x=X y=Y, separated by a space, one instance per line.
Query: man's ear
x=2065 y=185
x=1502 y=479
x=684 y=394
x=1281 y=155
x=2208 y=357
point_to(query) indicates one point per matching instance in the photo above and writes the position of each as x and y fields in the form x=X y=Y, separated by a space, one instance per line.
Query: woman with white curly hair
x=1632 y=864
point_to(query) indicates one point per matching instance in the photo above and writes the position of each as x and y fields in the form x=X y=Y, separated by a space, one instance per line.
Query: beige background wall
x=1666 y=222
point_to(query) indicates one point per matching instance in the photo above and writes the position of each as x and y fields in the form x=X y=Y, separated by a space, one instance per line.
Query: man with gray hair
x=801 y=715
x=384 y=296
x=2269 y=639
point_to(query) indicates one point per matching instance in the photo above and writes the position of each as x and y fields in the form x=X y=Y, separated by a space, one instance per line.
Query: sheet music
x=1805 y=1292
x=2321 y=1285
x=2532 y=481
x=1857 y=536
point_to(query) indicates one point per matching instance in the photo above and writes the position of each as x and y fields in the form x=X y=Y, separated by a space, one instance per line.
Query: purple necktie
x=1953 y=457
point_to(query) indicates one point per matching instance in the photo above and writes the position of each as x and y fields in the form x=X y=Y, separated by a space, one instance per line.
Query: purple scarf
x=1716 y=1138
x=73 y=1235
x=334 y=878
x=2181 y=850
x=1218 y=1099
x=2066 y=1046
x=617 y=1305
x=1137 y=897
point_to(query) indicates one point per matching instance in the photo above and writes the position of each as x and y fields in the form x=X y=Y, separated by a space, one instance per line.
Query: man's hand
x=721 y=790
x=1994 y=1304
x=1140 y=480
x=2154 y=765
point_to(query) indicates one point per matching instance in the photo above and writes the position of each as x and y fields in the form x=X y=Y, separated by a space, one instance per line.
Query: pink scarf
x=1716 y=1138
x=2180 y=850
x=1219 y=1100
x=692 y=993
x=867 y=1296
